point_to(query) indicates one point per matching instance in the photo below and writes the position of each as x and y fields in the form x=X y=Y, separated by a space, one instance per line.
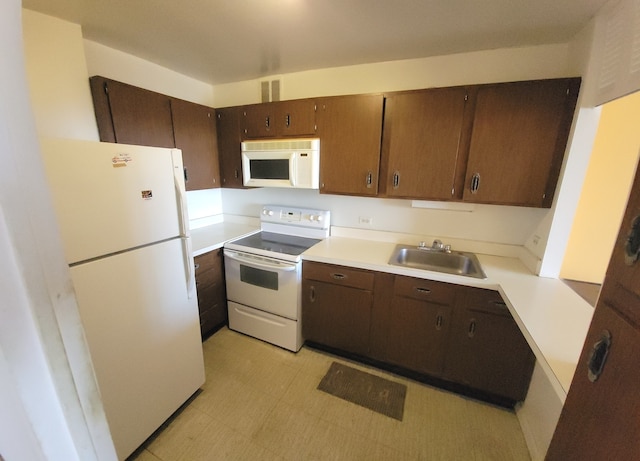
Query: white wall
x=44 y=361
x=57 y=76
x=123 y=67
x=502 y=65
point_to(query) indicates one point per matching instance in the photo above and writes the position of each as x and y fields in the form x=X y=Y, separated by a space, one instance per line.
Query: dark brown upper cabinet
x=423 y=143
x=127 y=114
x=349 y=128
x=194 y=128
x=519 y=136
x=279 y=119
x=228 y=123
x=130 y=115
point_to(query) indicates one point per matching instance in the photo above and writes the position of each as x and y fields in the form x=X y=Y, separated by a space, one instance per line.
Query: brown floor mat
x=369 y=391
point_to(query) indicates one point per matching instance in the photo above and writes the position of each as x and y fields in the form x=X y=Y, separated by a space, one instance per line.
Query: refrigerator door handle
x=188 y=262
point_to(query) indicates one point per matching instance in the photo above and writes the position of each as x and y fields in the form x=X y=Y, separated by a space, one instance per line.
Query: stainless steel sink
x=454 y=262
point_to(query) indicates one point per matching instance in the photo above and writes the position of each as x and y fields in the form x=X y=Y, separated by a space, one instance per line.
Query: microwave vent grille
x=281 y=145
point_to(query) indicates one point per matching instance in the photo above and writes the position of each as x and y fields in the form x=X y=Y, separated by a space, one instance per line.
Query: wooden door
x=420 y=143
x=350 y=128
x=140 y=116
x=601 y=416
x=194 y=128
x=520 y=132
x=228 y=133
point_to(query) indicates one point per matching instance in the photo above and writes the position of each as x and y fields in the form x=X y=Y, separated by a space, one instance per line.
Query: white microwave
x=281 y=163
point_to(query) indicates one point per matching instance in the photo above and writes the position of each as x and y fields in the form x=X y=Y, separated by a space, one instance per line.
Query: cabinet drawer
x=423 y=290
x=479 y=299
x=338 y=275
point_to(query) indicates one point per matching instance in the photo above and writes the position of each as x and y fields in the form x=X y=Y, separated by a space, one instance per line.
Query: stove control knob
x=319 y=218
x=312 y=217
x=267 y=212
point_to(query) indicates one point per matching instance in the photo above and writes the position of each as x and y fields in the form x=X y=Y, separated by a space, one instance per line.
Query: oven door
x=271 y=285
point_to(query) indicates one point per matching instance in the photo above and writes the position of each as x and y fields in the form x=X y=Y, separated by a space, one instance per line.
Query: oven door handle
x=282 y=267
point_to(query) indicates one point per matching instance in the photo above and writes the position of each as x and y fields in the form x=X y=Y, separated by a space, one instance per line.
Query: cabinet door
x=486 y=349
x=228 y=132
x=599 y=420
x=258 y=121
x=336 y=316
x=279 y=119
x=519 y=136
x=418 y=334
x=349 y=128
x=295 y=118
x=212 y=299
x=194 y=128
x=418 y=324
x=138 y=116
x=420 y=143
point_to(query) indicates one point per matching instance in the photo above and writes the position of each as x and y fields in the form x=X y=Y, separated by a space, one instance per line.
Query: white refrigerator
x=122 y=215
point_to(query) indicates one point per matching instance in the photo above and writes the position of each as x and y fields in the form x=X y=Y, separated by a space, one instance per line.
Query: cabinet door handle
x=266 y=122
x=235 y=172
x=396 y=179
x=598 y=356
x=197 y=266
x=369 y=180
x=439 y=322
x=424 y=291
x=632 y=244
x=499 y=303
x=472 y=328
x=312 y=294
x=338 y=276
x=287 y=120
x=186 y=176
x=475 y=183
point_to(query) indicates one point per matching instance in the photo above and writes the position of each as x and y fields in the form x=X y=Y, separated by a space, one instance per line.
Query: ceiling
x=221 y=41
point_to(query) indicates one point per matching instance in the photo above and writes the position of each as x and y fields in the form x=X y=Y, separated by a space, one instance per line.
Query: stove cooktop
x=276 y=243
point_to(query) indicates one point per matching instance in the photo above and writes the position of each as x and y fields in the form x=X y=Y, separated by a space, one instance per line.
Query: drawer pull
x=499 y=303
x=439 y=322
x=312 y=294
x=338 y=276
x=424 y=291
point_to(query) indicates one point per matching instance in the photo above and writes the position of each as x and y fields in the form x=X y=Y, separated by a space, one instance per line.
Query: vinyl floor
x=260 y=402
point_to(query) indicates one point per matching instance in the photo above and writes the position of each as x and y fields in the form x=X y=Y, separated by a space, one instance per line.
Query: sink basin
x=456 y=262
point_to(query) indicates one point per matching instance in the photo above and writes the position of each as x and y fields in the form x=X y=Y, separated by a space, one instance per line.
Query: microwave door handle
x=292 y=169
x=252 y=262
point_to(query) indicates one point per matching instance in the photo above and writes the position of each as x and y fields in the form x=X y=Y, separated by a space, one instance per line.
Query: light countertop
x=211 y=237
x=552 y=317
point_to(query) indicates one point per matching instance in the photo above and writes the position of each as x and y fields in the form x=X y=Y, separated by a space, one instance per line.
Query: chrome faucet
x=437 y=245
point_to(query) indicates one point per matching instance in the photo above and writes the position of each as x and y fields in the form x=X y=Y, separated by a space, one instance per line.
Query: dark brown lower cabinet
x=336 y=306
x=212 y=297
x=459 y=337
x=487 y=350
x=419 y=324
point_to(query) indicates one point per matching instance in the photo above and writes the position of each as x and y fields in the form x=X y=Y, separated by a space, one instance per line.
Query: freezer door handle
x=178 y=182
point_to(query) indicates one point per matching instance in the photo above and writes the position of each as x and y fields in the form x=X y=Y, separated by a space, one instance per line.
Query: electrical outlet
x=366 y=220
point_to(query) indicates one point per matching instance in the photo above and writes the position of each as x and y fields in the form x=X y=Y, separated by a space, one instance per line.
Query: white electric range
x=264 y=271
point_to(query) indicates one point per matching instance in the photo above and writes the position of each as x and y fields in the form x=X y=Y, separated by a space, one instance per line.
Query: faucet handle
x=422 y=244
x=437 y=244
